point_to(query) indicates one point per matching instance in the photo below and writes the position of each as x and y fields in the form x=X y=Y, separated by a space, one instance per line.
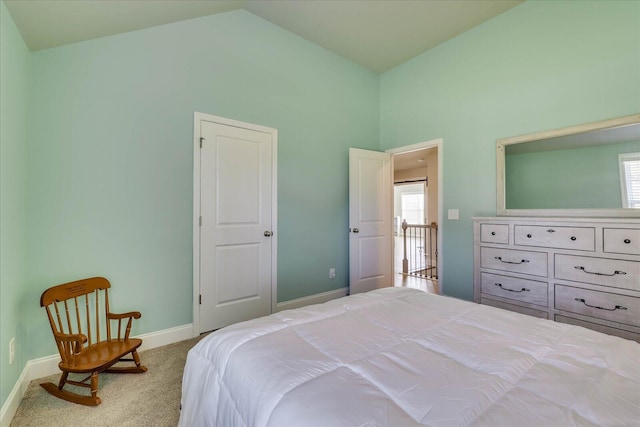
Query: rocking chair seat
x=94 y=356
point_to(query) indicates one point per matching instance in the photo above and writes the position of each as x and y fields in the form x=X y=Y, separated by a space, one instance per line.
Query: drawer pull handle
x=617 y=307
x=511 y=290
x=574 y=238
x=493 y=233
x=551 y=230
x=522 y=261
x=579 y=267
x=529 y=236
x=627 y=241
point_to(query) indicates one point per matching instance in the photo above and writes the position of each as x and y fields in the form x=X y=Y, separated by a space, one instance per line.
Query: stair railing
x=420 y=250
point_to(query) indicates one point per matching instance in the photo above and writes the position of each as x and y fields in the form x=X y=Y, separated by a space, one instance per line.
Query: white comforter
x=401 y=357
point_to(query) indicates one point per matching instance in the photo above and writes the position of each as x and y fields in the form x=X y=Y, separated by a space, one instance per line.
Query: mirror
x=586 y=170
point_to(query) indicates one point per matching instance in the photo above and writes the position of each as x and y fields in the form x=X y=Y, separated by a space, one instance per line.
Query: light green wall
x=580 y=178
x=541 y=65
x=14 y=73
x=111 y=158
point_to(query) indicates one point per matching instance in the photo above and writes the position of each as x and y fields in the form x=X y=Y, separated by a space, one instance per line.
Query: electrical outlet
x=332 y=273
x=12 y=350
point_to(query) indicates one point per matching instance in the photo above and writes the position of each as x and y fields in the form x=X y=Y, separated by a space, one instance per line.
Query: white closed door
x=236 y=228
x=370 y=213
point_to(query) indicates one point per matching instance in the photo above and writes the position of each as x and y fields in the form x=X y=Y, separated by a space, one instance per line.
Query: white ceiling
x=412 y=159
x=377 y=34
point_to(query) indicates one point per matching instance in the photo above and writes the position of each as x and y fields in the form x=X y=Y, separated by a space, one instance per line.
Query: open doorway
x=416 y=216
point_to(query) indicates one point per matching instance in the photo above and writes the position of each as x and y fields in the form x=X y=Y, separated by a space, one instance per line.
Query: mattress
x=402 y=357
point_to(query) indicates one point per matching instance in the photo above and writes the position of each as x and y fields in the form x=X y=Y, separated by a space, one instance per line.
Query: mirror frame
x=587 y=127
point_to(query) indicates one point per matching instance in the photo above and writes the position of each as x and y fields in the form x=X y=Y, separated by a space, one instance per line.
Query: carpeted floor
x=149 y=399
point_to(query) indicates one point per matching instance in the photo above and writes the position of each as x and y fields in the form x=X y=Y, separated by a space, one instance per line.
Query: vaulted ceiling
x=377 y=34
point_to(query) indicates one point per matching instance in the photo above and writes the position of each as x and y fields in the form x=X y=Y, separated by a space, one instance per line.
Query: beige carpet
x=149 y=399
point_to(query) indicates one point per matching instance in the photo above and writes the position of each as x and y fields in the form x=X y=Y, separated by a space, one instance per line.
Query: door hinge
x=200 y=299
x=201 y=139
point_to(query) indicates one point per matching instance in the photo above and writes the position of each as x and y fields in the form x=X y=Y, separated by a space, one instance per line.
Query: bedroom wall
x=14 y=74
x=110 y=158
x=539 y=66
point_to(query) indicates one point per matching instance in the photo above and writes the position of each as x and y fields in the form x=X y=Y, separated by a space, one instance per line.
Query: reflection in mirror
x=586 y=170
x=629 y=164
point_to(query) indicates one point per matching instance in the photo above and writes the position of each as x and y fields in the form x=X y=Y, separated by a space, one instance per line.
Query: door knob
x=355 y=230
x=267 y=233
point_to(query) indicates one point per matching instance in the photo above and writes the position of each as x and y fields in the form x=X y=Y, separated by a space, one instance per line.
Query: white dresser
x=580 y=271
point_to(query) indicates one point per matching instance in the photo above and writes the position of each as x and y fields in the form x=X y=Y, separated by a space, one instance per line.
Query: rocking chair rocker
x=77 y=311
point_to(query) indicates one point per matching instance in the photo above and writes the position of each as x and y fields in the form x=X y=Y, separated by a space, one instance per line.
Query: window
x=413 y=208
x=630 y=179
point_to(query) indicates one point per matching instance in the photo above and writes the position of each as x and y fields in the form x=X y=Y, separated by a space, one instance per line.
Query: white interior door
x=370 y=227
x=236 y=224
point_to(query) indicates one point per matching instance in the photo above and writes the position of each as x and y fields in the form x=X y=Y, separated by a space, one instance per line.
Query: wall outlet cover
x=12 y=350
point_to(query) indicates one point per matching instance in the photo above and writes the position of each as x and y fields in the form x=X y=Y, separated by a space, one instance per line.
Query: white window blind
x=630 y=179
x=413 y=208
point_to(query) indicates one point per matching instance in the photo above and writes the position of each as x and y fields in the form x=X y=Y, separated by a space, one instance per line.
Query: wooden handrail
x=405 y=225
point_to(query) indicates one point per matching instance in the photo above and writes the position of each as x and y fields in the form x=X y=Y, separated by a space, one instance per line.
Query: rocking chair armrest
x=79 y=339
x=123 y=332
x=133 y=314
x=69 y=345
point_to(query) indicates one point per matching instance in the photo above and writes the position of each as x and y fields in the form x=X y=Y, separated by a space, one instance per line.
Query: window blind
x=630 y=179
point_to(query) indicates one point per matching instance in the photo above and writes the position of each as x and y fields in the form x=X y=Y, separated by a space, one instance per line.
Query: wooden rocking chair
x=77 y=311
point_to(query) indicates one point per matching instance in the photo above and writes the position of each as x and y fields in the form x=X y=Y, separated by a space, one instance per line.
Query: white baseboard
x=312 y=299
x=166 y=337
x=13 y=400
x=48 y=365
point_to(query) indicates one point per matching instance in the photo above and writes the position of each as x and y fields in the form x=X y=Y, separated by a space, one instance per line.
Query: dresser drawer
x=614 y=273
x=576 y=238
x=517 y=308
x=517 y=261
x=598 y=327
x=602 y=305
x=494 y=233
x=622 y=240
x=523 y=290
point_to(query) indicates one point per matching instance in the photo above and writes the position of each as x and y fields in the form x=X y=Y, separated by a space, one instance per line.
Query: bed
x=402 y=357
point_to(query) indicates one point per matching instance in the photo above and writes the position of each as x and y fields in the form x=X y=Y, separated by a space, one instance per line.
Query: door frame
x=438 y=143
x=197 y=119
